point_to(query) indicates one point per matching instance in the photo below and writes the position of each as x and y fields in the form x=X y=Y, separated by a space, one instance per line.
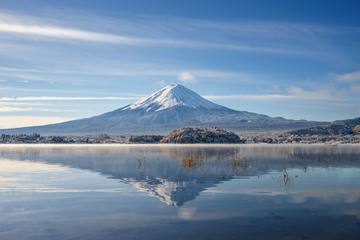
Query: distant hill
x=174 y=106
x=201 y=135
x=340 y=127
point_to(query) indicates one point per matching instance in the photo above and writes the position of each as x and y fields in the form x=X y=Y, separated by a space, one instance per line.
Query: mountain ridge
x=339 y=127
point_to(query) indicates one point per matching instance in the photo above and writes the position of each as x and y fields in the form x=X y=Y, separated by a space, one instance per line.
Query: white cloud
x=67 y=33
x=187 y=77
x=22 y=81
x=55 y=98
x=293 y=93
x=15 y=109
x=21 y=104
x=256 y=97
x=348 y=77
x=322 y=94
x=25 y=121
x=12 y=109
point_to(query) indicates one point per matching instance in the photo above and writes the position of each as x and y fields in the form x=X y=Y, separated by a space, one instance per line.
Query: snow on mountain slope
x=171 y=96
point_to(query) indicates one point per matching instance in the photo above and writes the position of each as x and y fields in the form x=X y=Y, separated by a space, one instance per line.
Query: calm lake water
x=179 y=192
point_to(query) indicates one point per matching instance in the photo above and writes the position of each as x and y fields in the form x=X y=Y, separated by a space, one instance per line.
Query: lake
x=180 y=192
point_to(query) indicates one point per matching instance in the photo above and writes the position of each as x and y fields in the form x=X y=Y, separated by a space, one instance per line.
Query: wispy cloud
x=293 y=93
x=30 y=109
x=255 y=97
x=69 y=98
x=11 y=25
x=110 y=98
x=348 y=77
x=21 y=104
x=184 y=75
x=69 y=33
x=12 y=105
x=318 y=94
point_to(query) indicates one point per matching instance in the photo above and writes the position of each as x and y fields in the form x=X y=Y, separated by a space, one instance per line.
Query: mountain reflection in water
x=178 y=174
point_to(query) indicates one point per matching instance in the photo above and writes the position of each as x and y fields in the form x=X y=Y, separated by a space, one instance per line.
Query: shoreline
x=171 y=144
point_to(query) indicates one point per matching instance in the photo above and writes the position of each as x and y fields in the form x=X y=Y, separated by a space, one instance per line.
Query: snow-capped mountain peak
x=171 y=96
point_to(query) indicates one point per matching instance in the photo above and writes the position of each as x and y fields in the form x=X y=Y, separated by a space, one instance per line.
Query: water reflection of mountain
x=176 y=175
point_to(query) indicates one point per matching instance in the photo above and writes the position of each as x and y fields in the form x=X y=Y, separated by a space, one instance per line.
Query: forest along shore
x=190 y=135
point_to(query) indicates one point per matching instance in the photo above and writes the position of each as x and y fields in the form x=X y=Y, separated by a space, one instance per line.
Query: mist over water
x=180 y=192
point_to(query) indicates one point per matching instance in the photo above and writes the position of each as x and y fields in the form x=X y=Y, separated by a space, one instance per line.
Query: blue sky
x=62 y=60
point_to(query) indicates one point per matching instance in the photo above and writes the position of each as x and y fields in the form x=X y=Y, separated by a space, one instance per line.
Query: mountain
x=340 y=127
x=171 y=107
